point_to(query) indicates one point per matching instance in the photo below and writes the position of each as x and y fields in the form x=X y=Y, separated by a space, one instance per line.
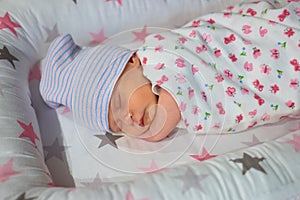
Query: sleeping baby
x=221 y=73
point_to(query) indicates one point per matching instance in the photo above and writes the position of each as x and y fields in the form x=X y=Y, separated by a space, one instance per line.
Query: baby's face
x=132 y=106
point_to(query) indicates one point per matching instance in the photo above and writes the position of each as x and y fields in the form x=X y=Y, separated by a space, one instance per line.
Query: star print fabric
x=232 y=70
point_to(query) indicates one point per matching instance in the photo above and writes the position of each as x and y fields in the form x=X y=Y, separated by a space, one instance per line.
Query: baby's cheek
x=151 y=115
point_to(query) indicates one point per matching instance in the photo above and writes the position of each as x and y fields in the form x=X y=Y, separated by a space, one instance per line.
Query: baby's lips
x=157 y=116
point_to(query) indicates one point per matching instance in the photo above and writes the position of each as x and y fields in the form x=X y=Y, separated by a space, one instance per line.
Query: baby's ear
x=135 y=60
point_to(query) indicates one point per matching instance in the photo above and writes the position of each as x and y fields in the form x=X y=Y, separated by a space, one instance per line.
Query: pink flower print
x=180 y=63
x=260 y=100
x=180 y=78
x=206 y=37
x=217 y=125
x=294 y=83
x=227 y=15
x=274 y=88
x=247 y=29
x=265 y=69
x=159 y=37
x=196 y=23
x=144 y=61
x=229 y=39
x=248 y=66
x=219 y=78
x=159 y=66
x=158 y=49
x=296 y=65
x=228 y=73
x=239 y=118
x=247 y=41
x=198 y=127
x=186 y=123
x=192 y=34
x=262 y=31
x=218 y=53
x=256 y=53
x=230 y=8
x=195 y=110
x=265 y=117
x=182 y=40
x=191 y=93
x=274 y=53
x=211 y=21
x=200 y=49
x=251 y=12
x=283 y=15
x=204 y=97
x=297 y=11
x=244 y=91
x=257 y=85
x=163 y=79
x=289 y=32
x=271 y=22
x=252 y=125
x=231 y=91
x=294 y=62
x=232 y=57
x=220 y=108
x=182 y=106
x=290 y=104
x=194 y=69
x=253 y=113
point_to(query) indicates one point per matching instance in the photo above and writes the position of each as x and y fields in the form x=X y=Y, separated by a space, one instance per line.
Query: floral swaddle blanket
x=232 y=70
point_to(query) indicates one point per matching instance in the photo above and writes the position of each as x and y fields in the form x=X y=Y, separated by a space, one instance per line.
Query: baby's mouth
x=142 y=120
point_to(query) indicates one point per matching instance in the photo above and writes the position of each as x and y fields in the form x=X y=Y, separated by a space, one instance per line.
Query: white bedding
x=80 y=165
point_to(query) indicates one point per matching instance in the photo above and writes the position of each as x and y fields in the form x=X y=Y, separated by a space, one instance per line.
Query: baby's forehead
x=131 y=80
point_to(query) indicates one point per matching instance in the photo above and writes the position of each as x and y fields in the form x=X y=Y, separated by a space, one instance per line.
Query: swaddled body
x=230 y=71
x=223 y=72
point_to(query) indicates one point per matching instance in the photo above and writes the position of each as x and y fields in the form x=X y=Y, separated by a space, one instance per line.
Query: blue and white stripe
x=82 y=79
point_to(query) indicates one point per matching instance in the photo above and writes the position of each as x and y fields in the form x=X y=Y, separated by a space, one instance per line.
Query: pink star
x=28 y=132
x=35 y=73
x=129 y=196
x=141 y=35
x=98 y=38
x=119 y=1
x=153 y=168
x=5 y=22
x=6 y=171
x=204 y=156
x=295 y=141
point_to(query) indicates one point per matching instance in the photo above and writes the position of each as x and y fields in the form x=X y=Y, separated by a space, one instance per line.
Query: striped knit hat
x=82 y=79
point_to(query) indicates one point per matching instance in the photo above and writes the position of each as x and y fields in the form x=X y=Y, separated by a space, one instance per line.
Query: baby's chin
x=137 y=131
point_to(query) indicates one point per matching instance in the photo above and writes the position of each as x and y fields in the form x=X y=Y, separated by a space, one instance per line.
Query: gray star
x=250 y=162
x=108 y=138
x=96 y=182
x=23 y=197
x=52 y=34
x=255 y=141
x=55 y=150
x=3 y=86
x=191 y=180
x=5 y=55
